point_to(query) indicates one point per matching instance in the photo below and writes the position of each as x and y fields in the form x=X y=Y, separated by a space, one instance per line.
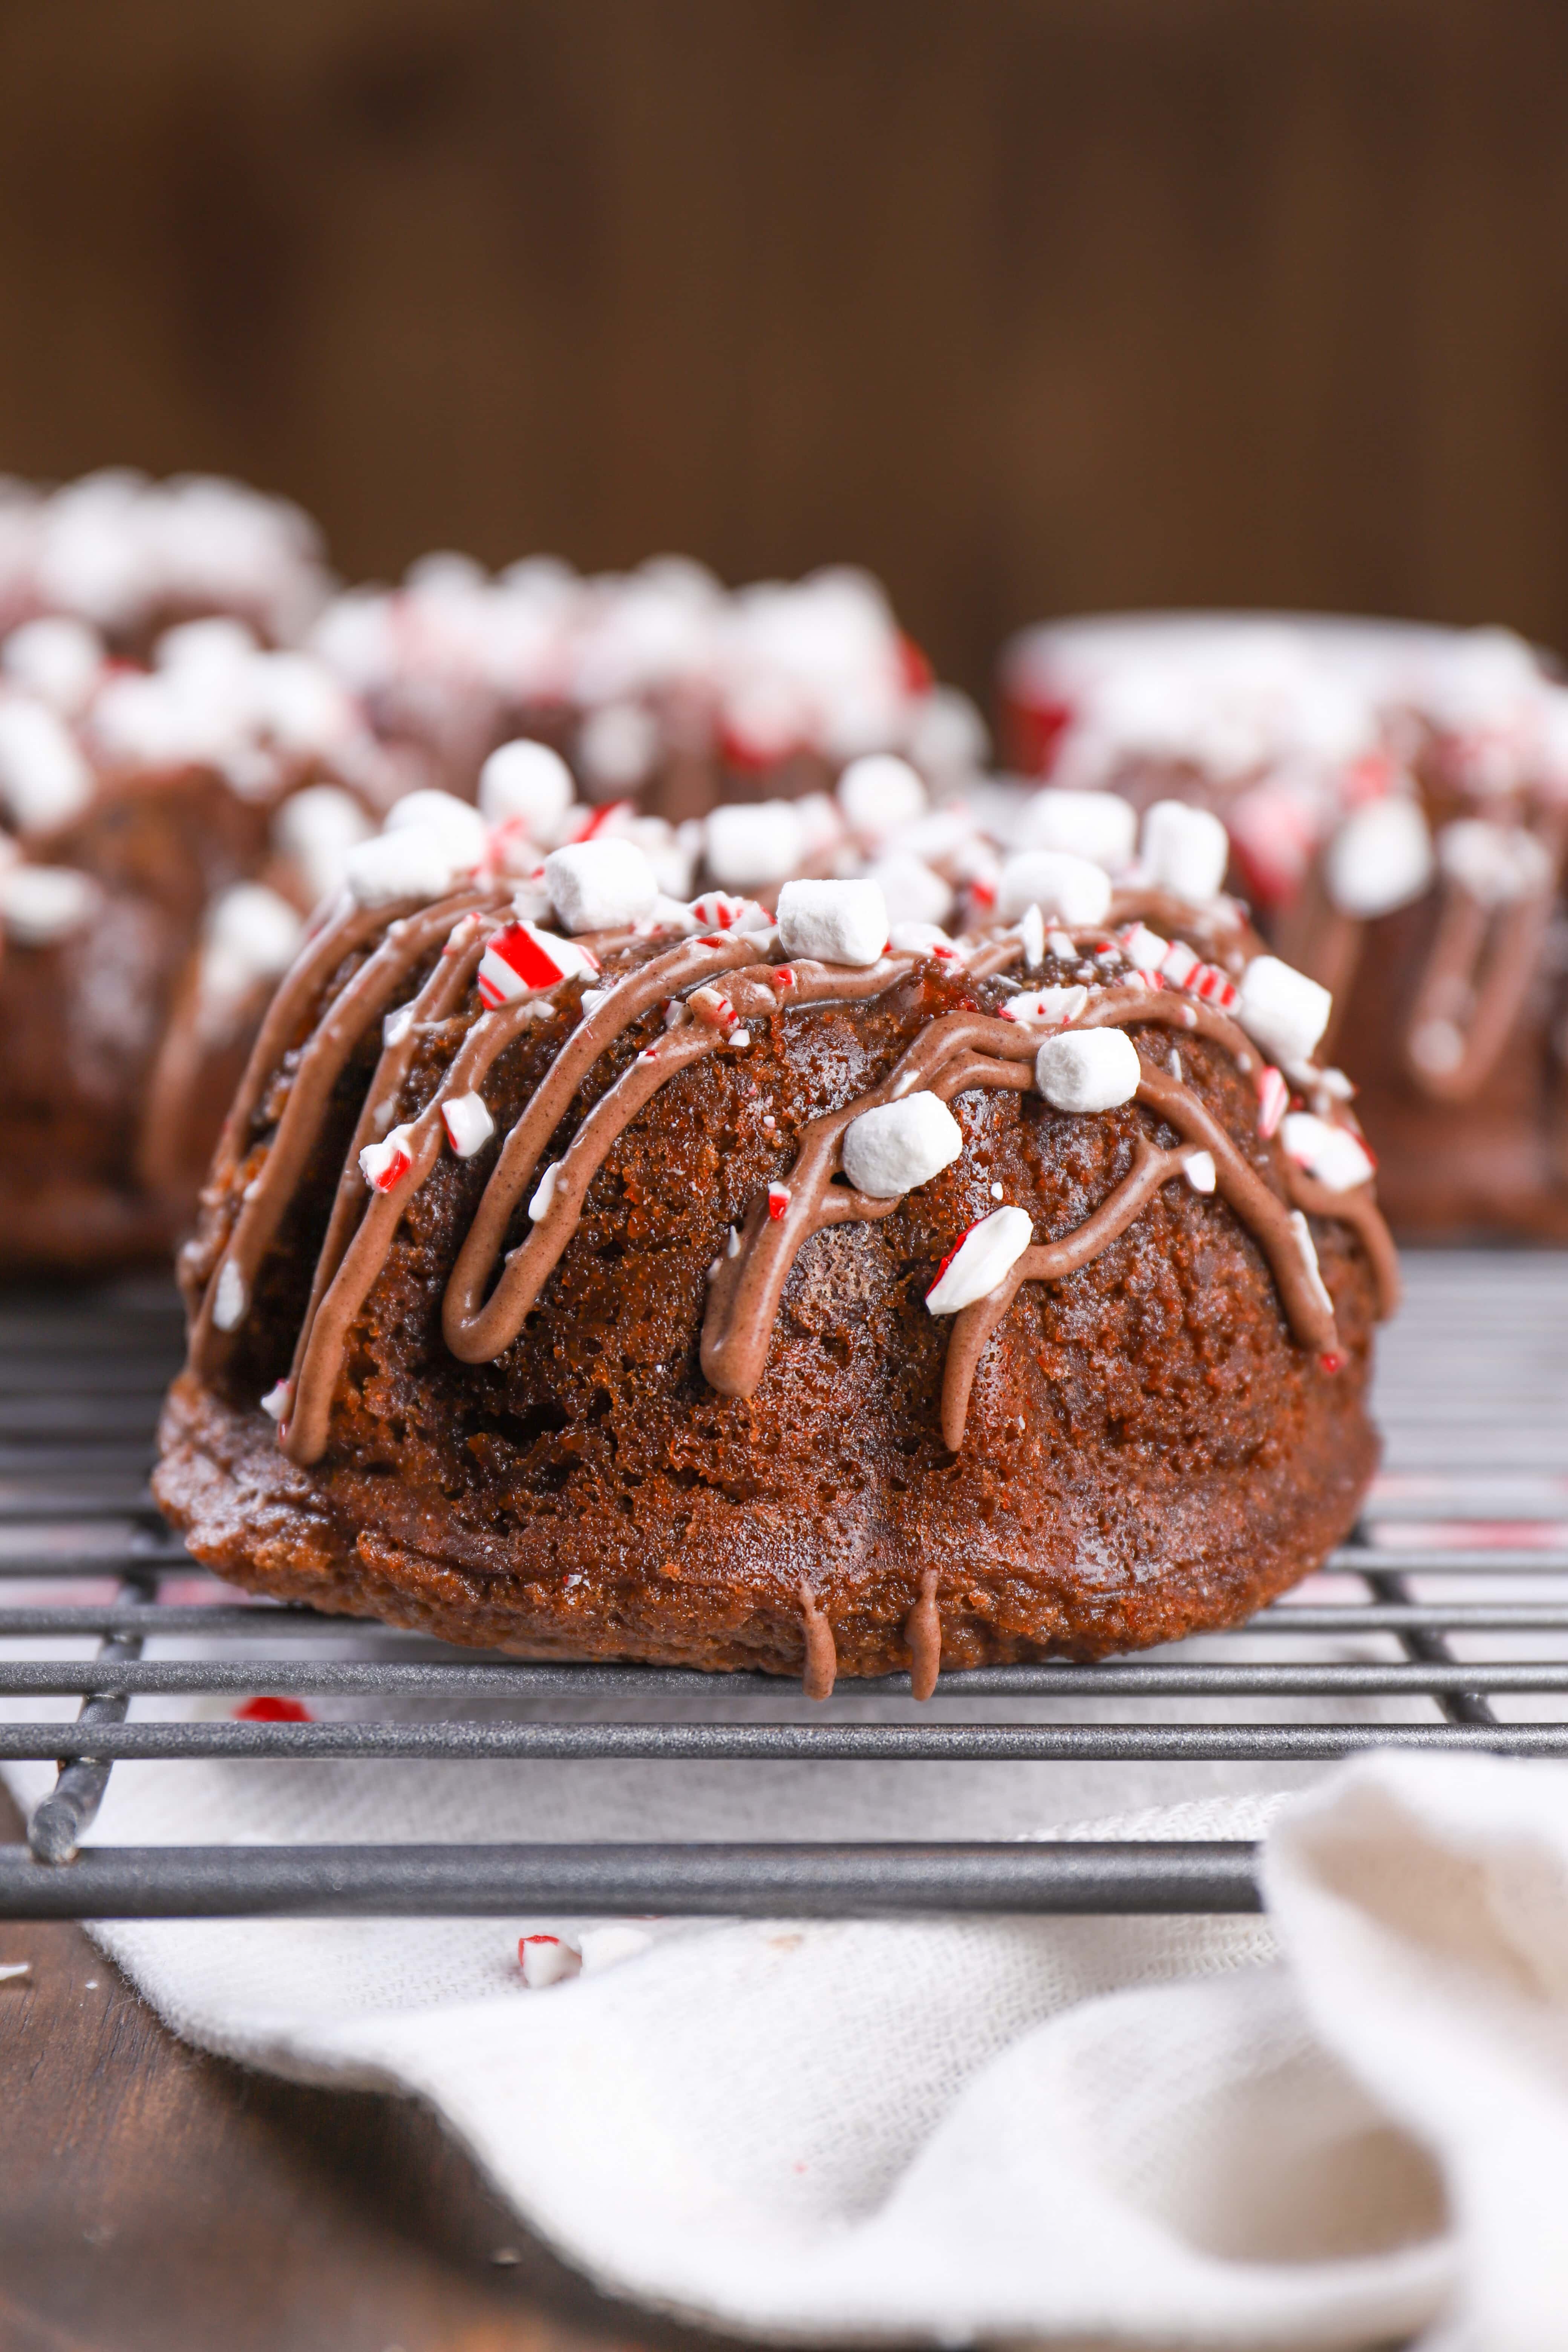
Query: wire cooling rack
x=1452 y=1595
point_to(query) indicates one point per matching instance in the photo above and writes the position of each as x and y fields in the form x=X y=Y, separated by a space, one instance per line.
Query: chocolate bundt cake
x=591 y=1275
x=1397 y=803
x=657 y=685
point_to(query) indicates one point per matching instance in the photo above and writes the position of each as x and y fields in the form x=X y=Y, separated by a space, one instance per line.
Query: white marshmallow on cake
x=946 y=738
x=458 y=821
x=1070 y=888
x=525 y=784
x=879 y=793
x=1282 y=1010
x=900 y=1145
x=1088 y=1070
x=414 y=861
x=751 y=845
x=1380 y=858
x=1495 y=863
x=57 y=660
x=913 y=893
x=1100 y=826
x=984 y=1257
x=617 y=748
x=252 y=935
x=601 y=886
x=40 y=905
x=45 y=779
x=1184 y=850
x=315 y=829
x=1331 y=1154
x=833 y=922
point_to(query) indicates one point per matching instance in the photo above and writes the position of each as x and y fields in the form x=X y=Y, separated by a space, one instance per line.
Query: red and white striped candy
x=713 y=1008
x=522 y=957
x=1331 y=1154
x=985 y=1254
x=467 y=1124
x=1178 y=963
x=386 y=1164
x=778 y=1201
x=1143 y=948
x=1273 y=1100
x=1213 y=986
x=547 y=1960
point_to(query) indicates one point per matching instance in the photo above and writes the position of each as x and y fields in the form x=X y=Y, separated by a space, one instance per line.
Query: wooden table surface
x=155 y=2200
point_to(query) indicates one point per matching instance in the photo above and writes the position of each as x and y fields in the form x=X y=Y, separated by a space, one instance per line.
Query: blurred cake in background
x=1395 y=802
x=657 y=685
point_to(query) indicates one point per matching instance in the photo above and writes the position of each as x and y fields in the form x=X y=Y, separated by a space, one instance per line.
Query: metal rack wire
x=1475 y=1502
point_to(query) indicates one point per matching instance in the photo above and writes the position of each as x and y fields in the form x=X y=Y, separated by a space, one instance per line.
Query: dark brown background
x=1029 y=304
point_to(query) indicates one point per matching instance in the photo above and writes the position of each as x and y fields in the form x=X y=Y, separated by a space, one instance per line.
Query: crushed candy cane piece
x=544 y=1191
x=607 y=1947
x=1057 y=1006
x=1061 y=946
x=396 y=1024
x=521 y=958
x=1309 y=1249
x=384 y=1165
x=1330 y=1154
x=1144 y=949
x=1032 y=937
x=1273 y=1100
x=1178 y=963
x=269 y=1709
x=1200 y=1171
x=546 y=1960
x=467 y=1124
x=231 y=1298
x=778 y=1201
x=276 y=1402
x=981 y=1257
x=1213 y=986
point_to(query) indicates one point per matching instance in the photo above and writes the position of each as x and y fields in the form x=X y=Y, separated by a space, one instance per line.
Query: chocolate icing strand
x=821 y=1670
x=693 y=961
x=362 y=1002
x=1357 y=1208
x=744 y=1295
x=1449 y=993
x=922 y=1631
x=1045 y=1262
x=443 y=991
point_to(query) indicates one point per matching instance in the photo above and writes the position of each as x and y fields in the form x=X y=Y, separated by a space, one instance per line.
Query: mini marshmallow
x=525 y=784
x=521 y=957
x=45 y=779
x=1200 y=1171
x=1087 y=1070
x=467 y=1124
x=252 y=935
x=1184 y=850
x=415 y=861
x=901 y=1145
x=1100 y=826
x=985 y=1256
x=1495 y=863
x=1054 y=1006
x=600 y=885
x=445 y=813
x=547 y=1960
x=56 y=658
x=1284 y=1011
x=42 y=904
x=753 y=845
x=1380 y=858
x=835 y=922
x=878 y=793
x=315 y=830
x=545 y=1192
x=231 y=1298
x=913 y=892
x=1331 y=1154
x=1069 y=887
x=617 y=745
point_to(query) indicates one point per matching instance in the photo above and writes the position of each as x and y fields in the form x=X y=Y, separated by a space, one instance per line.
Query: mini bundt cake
x=1396 y=802
x=591 y=1275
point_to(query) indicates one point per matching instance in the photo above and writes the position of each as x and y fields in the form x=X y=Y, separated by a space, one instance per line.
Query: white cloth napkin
x=1152 y=2133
